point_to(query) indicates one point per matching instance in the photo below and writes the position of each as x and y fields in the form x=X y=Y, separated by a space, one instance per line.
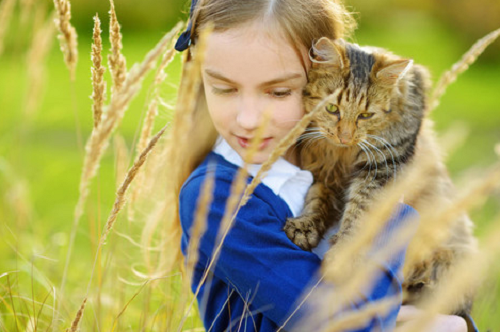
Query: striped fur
x=378 y=128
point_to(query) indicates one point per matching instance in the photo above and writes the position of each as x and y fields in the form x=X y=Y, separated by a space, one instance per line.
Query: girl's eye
x=365 y=116
x=281 y=93
x=332 y=109
x=222 y=91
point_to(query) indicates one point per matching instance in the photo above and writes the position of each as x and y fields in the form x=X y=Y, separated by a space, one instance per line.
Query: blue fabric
x=260 y=275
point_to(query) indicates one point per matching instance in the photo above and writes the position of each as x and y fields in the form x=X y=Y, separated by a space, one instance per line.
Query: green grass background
x=41 y=160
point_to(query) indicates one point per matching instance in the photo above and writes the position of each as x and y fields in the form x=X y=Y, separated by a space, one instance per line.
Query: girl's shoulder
x=223 y=173
x=214 y=165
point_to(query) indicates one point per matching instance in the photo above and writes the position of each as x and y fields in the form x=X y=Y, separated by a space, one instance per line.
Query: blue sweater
x=260 y=275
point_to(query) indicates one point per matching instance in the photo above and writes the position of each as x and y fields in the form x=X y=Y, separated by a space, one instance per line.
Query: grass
x=41 y=162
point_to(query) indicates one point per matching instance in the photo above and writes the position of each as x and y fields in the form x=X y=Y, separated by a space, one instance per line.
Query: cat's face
x=366 y=82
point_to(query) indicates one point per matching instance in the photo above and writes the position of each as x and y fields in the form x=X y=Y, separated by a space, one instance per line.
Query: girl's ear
x=392 y=72
x=327 y=51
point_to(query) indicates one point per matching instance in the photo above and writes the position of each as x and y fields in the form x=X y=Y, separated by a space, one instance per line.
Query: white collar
x=285 y=179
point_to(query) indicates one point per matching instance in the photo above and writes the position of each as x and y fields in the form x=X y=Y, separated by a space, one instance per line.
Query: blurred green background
x=41 y=148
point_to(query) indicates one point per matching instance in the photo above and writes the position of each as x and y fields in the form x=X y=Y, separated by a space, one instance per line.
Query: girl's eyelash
x=219 y=91
x=281 y=93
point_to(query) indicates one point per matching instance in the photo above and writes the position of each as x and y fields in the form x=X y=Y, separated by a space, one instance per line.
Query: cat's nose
x=345 y=138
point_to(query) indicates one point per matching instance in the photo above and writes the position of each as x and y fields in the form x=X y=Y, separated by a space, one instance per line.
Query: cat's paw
x=303 y=232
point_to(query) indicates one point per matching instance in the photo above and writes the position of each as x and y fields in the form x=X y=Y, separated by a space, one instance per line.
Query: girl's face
x=248 y=71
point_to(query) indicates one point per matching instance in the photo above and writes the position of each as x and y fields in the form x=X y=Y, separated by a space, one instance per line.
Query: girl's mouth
x=246 y=142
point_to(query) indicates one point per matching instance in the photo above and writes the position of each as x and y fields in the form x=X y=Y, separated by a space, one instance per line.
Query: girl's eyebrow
x=287 y=77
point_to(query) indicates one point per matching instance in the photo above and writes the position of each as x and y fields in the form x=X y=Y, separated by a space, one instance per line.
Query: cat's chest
x=329 y=163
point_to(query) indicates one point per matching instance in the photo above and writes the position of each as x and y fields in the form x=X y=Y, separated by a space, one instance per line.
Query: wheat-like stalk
x=345 y=270
x=361 y=276
x=37 y=55
x=436 y=220
x=6 y=11
x=199 y=224
x=467 y=59
x=26 y=6
x=78 y=317
x=233 y=205
x=99 y=139
x=410 y=184
x=465 y=275
x=120 y=195
x=98 y=82
x=122 y=158
x=285 y=144
x=147 y=127
x=67 y=35
x=116 y=60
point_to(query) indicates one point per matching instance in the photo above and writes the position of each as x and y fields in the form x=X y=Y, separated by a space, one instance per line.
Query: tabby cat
x=361 y=141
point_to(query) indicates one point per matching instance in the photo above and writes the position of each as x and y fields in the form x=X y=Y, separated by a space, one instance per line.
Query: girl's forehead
x=253 y=51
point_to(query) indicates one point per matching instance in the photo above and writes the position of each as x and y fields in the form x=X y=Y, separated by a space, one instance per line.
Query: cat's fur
x=352 y=158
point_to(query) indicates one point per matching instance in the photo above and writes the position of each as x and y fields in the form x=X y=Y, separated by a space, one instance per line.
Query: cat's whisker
x=382 y=154
x=390 y=148
x=369 y=161
x=374 y=161
x=313 y=140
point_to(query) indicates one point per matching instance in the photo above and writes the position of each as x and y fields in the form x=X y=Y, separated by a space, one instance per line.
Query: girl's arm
x=259 y=260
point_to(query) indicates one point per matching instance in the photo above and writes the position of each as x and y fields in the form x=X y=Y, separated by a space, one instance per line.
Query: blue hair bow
x=185 y=38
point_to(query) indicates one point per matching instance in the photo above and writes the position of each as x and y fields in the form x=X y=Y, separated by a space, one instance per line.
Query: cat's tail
x=467 y=59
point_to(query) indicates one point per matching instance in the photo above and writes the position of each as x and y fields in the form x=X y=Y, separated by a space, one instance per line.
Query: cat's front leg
x=308 y=229
x=359 y=197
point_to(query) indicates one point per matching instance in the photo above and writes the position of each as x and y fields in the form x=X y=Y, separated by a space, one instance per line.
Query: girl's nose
x=249 y=113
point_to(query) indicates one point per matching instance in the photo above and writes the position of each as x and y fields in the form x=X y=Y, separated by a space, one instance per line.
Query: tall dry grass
x=6 y=13
x=67 y=35
x=177 y=305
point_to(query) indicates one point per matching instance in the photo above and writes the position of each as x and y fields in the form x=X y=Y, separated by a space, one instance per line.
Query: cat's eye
x=332 y=109
x=365 y=115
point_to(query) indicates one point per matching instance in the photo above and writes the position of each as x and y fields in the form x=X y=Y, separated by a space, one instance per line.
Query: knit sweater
x=260 y=275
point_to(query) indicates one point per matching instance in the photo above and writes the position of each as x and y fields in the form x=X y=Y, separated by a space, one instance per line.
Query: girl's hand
x=441 y=323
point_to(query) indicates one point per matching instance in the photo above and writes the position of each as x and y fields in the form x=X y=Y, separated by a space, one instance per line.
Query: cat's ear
x=327 y=51
x=390 y=74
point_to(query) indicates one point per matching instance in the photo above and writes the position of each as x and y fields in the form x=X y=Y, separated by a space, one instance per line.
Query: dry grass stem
x=233 y=205
x=147 y=127
x=467 y=274
x=409 y=184
x=79 y=315
x=285 y=144
x=36 y=58
x=436 y=220
x=120 y=195
x=360 y=276
x=353 y=320
x=116 y=60
x=199 y=225
x=122 y=157
x=26 y=6
x=186 y=101
x=98 y=82
x=467 y=59
x=6 y=13
x=67 y=37
x=99 y=139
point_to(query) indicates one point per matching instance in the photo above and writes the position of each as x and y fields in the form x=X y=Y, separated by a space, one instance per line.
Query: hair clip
x=184 y=40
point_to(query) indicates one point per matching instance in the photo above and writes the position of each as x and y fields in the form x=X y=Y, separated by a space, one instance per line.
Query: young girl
x=257 y=60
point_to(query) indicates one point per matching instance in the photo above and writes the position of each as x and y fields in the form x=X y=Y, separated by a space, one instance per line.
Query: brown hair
x=301 y=21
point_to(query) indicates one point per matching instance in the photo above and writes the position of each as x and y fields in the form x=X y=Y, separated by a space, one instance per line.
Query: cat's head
x=367 y=78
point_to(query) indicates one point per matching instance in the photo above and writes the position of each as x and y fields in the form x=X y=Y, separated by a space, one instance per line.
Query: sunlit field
x=46 y=121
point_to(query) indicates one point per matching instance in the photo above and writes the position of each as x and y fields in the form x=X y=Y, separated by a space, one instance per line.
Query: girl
x=256 y=60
